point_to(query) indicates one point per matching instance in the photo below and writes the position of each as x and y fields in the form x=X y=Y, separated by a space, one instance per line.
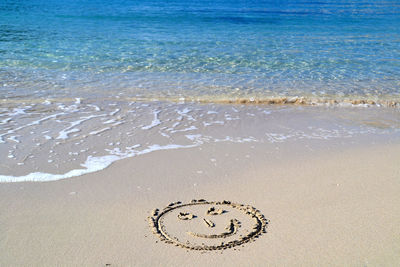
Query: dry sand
x=327 y=205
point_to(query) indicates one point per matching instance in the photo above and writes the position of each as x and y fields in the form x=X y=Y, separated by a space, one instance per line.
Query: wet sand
x=327 y=203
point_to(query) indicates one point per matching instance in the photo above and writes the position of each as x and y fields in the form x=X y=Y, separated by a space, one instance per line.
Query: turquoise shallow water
x=71 y=72
x=194 y=49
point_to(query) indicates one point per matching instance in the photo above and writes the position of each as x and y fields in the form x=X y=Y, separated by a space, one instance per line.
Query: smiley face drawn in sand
x=207 y=225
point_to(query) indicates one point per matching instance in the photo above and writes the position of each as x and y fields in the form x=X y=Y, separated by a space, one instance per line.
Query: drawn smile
x=232 y=229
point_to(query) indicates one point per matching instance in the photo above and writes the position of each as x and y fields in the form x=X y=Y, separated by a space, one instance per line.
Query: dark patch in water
x=10 y=34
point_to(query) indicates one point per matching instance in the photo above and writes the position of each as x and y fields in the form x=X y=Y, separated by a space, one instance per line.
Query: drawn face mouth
x=207 y=225
x=232 y=228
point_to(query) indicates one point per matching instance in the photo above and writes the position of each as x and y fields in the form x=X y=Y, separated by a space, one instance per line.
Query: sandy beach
x=327 y=203
x=199 y=133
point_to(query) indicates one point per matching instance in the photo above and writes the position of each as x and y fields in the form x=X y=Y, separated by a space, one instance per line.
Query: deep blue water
x=199 y=48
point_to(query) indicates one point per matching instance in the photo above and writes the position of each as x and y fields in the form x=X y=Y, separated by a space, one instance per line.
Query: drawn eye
x=214 y=211
x=185 y=216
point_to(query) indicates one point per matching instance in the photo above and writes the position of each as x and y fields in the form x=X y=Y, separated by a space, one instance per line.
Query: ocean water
x=200 y=50
x=86 y=83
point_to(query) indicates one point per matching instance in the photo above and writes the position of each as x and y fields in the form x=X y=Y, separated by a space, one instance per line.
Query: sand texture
x=324 y=207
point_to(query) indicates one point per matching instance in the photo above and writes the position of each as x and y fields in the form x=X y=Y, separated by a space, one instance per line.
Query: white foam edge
x=155 y=121
x=92 y=164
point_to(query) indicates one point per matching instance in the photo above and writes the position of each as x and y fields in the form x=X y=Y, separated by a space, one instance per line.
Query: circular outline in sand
x=258 y=228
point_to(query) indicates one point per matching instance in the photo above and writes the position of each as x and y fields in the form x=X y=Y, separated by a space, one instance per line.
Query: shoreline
x=53 y=141
x=306 y=101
